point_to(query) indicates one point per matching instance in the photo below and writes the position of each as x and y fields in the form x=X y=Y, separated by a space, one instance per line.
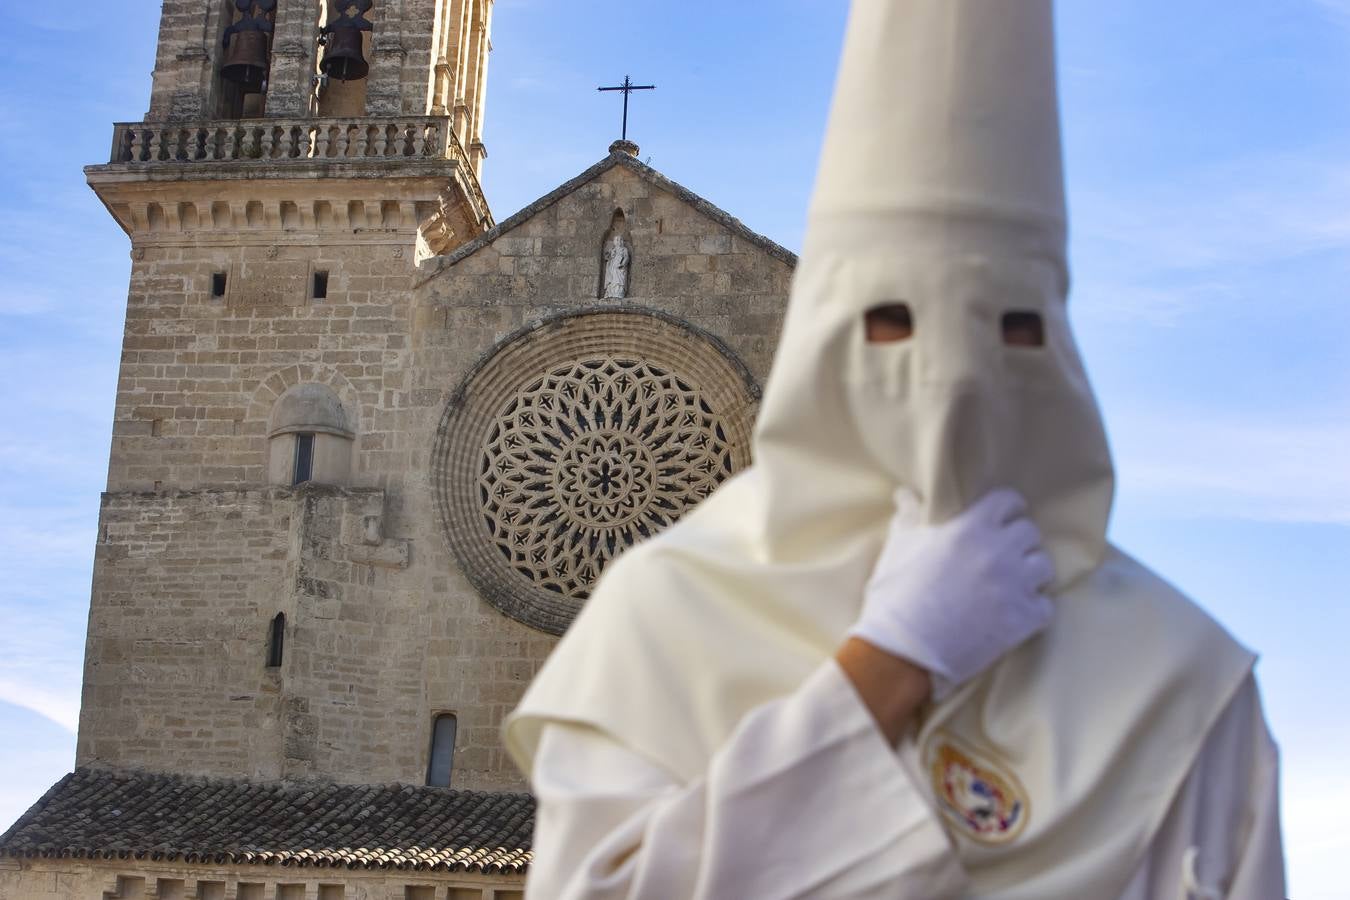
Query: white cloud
x=24 y=303
x=28 y=457
x=59 y=706
x=1316 y=840
x=51 y=536
x=41 y=660
x=33 y=764
x=532 y=83
x=1162 y=307
x=1272 y=471
x=1339 y=9
x=1181 y=248
x=1242 y=212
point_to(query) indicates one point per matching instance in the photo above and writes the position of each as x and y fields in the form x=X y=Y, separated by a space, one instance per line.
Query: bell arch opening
x=343 y=63
x=245 y=59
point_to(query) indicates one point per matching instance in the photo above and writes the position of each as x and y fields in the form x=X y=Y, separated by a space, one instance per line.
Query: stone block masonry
x=198 y=552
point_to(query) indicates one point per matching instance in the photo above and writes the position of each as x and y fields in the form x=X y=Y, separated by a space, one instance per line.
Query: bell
x=246 y=59
x=342 y=57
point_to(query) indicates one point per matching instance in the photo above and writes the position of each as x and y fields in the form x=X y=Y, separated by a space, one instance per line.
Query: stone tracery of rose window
x=589 y=459
x=576 y=438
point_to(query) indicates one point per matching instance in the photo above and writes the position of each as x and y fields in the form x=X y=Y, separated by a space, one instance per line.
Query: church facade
x=371 y=449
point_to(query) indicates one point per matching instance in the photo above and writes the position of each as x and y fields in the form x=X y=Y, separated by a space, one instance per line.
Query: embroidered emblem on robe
x=983 y=801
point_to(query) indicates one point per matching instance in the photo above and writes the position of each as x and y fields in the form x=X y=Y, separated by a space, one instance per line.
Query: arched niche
x=310 y=434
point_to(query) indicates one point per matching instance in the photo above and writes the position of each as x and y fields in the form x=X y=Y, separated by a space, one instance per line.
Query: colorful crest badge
x=985 y=802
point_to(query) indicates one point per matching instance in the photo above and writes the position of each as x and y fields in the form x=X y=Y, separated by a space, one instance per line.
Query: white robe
x=806 y=799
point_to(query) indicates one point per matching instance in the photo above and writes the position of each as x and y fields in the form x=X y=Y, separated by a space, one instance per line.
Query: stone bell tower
x=298 y=159
x=370 y=452
x=298 y=89
x=342 y=528
x=299 y=59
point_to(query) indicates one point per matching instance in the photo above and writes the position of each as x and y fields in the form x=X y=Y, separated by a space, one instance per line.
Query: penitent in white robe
x=806 y=799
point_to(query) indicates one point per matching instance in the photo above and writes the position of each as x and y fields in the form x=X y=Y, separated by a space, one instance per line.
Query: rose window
x=592 y=457
x=577 y=439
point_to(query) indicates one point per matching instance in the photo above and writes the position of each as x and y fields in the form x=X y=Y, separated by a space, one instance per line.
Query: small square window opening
x=320 y=291
x=218 y=284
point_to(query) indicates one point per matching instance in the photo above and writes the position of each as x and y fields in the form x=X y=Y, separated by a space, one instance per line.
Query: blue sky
x=1208 y=155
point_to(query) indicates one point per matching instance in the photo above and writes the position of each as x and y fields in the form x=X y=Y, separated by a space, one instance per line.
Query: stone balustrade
x=283 y=140
x=279 y=143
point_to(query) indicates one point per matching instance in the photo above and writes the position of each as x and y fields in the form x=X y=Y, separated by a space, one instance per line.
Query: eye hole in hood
x=888 y=323
x=1023 y=329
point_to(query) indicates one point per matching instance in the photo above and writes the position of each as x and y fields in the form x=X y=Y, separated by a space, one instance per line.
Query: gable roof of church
x=105 y=815
x=617 y=158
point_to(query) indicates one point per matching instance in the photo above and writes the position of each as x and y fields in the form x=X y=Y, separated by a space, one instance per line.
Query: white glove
x=953 y=598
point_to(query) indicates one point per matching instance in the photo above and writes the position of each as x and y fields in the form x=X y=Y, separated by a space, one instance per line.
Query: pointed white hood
x=940 y=187
x=946 y=112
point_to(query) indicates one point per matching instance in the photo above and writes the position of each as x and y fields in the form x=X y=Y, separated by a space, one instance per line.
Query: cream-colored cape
x=941 y=187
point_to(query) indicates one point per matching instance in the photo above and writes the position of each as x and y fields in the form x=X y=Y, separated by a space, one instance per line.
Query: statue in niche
x=618 y=258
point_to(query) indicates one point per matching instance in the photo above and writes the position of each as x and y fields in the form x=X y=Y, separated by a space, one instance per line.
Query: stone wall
x=187 y=584
x=712 y=273
x=93 y=879
x=174 y=669
x=197 y=554
x=200 y=373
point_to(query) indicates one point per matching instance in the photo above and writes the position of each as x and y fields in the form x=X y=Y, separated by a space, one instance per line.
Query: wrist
x=891 y=687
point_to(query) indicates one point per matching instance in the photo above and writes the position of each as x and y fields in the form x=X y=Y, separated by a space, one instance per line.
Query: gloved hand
x=955 y=597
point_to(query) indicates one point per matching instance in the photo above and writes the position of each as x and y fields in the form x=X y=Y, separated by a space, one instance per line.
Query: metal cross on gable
x=628 y=87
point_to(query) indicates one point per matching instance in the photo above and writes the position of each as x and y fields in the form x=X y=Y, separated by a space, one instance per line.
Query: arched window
x=310 y=437
x=276 y=640
x=442 y=750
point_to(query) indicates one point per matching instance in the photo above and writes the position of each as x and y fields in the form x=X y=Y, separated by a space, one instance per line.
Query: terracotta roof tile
x=105 y=814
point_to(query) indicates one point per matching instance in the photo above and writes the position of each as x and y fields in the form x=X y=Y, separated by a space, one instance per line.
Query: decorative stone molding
x=437 y=230
x=364 y=150
x=576 y=439
x=280 y=383
x=280 y=140
x=270 y=218
x=134 y=878
x=363 y=538
x=642 y=170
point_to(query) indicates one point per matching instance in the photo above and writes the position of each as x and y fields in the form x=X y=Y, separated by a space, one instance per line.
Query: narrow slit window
x=218 y=284
x=304 y=458
x=442 y=751
x=320 y=285
x=276 y=640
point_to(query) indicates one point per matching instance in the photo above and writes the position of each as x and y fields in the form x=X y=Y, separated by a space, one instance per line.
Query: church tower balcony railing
x=279 y=143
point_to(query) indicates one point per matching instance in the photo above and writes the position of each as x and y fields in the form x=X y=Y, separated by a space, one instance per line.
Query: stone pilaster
x=384 y=96
x=293 y=47
x=288 y=89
